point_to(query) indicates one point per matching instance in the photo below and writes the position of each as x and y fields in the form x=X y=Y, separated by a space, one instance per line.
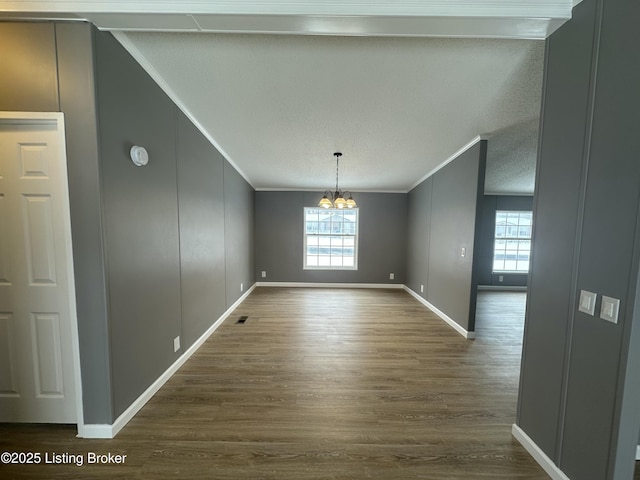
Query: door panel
x=37 y=319
x=7 y=362
x=37 y=219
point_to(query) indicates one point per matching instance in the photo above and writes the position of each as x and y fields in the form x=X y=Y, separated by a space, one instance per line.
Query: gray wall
x=443 y=213
x=381 y=242
x=140 y=222
x=487 y=229
x=580 y=385
x=28 y=86
x=202 y=244
x=179 y=232
x=156 y=249
x=418 y=235
x=239 y=200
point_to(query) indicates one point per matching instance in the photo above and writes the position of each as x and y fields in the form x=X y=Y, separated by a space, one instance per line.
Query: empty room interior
x=319 y=240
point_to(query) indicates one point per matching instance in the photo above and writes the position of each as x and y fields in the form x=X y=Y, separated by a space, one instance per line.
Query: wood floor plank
x=322 y=384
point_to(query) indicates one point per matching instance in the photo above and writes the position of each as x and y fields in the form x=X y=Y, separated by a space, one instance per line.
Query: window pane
x=330 y=238
x=512 y=244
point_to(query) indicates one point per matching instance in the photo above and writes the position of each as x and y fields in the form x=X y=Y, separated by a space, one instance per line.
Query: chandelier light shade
x=337 y=199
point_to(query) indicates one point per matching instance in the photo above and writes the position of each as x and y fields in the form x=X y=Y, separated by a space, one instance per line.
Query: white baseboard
x=328 y=285
x=110 y=431
x=503 y=288
x=452 y=323
x=538 y=455
x=96 y=431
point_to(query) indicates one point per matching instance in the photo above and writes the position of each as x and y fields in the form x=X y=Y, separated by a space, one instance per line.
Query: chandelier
x=337 y=199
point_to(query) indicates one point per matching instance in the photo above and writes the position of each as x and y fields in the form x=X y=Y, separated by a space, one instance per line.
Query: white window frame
x=514 y=238
x=306 y=236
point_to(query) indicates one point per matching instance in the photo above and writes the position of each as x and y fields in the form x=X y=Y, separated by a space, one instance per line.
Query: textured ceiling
x=511 y=159
x=278 y=106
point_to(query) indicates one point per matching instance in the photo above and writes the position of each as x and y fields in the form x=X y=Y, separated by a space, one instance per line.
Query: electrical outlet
x=463 y=252
x=421 y=288
x=264 y=274
x=501 y=278
x=176 y=343
x=242 y=287
x=392 y=276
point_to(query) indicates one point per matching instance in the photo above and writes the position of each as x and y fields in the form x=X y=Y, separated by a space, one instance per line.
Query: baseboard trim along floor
x=433 y=308
x=110 y=431
x=452 y=323
x=538 y=455
x=328 y=285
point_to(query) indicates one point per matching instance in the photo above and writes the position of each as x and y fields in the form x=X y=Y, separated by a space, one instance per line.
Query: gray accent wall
x=381 y=243
x=239 y=221
x=28 y=86
x=579 y=394
x=202 y=226
x=443 y=213
x=140 y=222
x=74 y=44
x=155 y=247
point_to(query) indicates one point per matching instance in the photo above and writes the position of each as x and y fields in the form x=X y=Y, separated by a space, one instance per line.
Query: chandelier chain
x=337 y=198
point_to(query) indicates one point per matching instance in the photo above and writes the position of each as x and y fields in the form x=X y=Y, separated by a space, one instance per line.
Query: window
x=512 y=242
x=331 y=239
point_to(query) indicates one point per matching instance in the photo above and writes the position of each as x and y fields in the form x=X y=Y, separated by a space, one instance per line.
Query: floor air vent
x=242 y=319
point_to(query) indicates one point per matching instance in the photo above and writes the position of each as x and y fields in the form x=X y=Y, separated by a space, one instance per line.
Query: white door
x=37 y=298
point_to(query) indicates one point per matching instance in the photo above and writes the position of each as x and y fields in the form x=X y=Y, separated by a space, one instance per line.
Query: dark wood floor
x=322 y=384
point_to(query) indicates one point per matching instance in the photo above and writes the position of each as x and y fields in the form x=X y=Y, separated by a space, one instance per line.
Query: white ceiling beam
x=446 y=8
x=476 y=27
x=530 y=19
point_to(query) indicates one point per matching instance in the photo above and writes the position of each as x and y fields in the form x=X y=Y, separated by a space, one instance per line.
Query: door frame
x=57 y=119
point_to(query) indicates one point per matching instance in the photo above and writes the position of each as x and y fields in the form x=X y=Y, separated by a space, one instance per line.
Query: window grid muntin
x=334 y=238
x=512 y=241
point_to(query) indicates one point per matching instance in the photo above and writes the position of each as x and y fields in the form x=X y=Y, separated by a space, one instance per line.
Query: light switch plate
x=587 y=302
x=609 y=309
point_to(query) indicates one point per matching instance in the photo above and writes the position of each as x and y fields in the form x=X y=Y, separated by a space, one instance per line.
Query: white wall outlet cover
x=392 y=276
x=264 y=274
x=609 y=309
x=139 y=156
x=463 y=252
x=176 y=344
x=587 y=302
